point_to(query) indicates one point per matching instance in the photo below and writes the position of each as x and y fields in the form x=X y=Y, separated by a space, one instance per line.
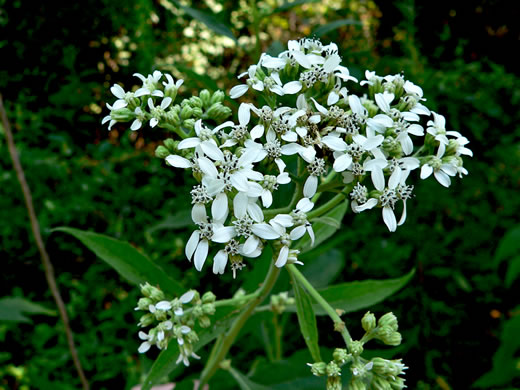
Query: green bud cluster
x=173 y=319
x=280 y=301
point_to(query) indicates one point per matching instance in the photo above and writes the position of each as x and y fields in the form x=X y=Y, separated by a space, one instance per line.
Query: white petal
x=187 y=296
x=244 y=113
x=333 y=98
x=355 y=105
x=389 y=218
x=395 y=178
x=219 y=207
x=163 y=305
x=342 y=162
x=154 y=122
x=192 y=243
x=238 y=90
x=212 y=150
x=200 y=254
x=136 y=125
x=403 y=216
x=373 y=142
x=219 y=262
x=290 y=136
x=282 y=257
x=240 y=204
x=267 y=198
x=189 y=143
x=297 y=232
x=265 y=231
x=331 y=63
x=292 y=87
x=255 y=212
x=144 y=347
x=302 y=59
x=335 y=143
x=310 y=187
x=198 y=213
x=239 y=181
x=250 y=245
x=117 y=91
x=305 y=205
x=442 y=178
x=178 y=161
x=257 y=131
x=378 y=179
x=319 y=107
x=223 y=234
x=426 y=171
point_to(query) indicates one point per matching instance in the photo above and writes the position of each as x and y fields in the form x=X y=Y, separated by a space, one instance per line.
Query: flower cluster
x=304 y=131
x=172 y=320
x=376 y=373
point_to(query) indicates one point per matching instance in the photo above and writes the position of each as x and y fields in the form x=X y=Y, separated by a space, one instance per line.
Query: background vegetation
x=59 y=60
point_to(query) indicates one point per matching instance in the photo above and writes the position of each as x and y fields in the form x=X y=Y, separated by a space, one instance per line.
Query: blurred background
x=59 y=60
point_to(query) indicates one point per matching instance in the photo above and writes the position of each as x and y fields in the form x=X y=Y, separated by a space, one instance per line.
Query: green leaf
x=288 y=5
x=306 y=319
x=324 y=227
x=509 y=245
x=209 y=19
x=13 y=309
x=322 y=269
x=505 y=360
x=178 y=220
x=513 y=270
x=353 y=296
x=326 y=28
x=126 y=260
x=244 y=382
x=166 y=361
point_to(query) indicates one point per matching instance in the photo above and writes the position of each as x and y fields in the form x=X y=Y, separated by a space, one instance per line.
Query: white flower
x=441 y=170
x=158 y=112
x=204 y=141
x=149 y=85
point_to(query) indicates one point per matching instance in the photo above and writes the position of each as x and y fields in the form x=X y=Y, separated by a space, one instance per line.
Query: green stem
x=228 y=340
x=327 y=206
x=324 y=184
x=339 y=325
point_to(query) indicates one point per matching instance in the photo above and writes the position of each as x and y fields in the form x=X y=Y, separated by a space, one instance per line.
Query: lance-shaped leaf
x=353 y=296
x=126 y=260
x=306 y=318
x=15 y=309
x=209 y=19
x=244 y=382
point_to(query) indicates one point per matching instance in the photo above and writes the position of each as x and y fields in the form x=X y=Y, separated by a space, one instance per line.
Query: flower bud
x=341 y=356
x=392 y=147
x=356 y=347
x=318 y=369
x=333 y=369
x=170 y=144
x=186 y=112
x=380 y=366
x=146 y=320
x=208 y=297
x=394 y=339
x=204 y=321
x=218 y=112
x=208 y=308
x=218 y=97
x=371 y=107
x=197 y=112
x=389 y=319
x=205 y=98
x=192 y=337
x=379 y=383
x=122 y=115
x=368 y=322
x=195 y=101
x=334 y=383
x=189 y=124
x=397 y=383
x=161 y=152
x=197 y=311
x=144 y=303
x=357 y=384
x=172 y=118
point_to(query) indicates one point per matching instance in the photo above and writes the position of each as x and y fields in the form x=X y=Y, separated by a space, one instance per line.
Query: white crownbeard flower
x=441 y=171
x=171 y=84
x=149 y=85
x=204 y=142
x=157 y=112
x=375 y=167
x=109 y=118
x=122 y=96
x=437 y=128
x=138 y=121
x=371 y=78
x=253 y=81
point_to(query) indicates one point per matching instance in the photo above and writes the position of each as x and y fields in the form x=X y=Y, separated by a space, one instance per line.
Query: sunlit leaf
x=353 y=296
x=126 y=260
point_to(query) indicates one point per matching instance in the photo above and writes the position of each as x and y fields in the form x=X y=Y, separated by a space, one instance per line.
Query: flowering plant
x=308 y=140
